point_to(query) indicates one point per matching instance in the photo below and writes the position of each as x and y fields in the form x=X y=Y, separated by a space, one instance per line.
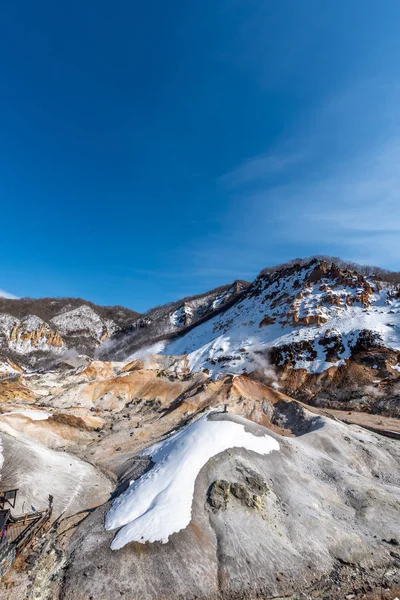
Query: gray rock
x=324 y=518
x=218 y=494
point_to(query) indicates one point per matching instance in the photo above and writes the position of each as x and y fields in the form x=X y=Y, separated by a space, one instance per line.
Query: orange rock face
x=97 y=369
x=332 y=299
x=36 y=336
x=312 y=319
x=364 y=296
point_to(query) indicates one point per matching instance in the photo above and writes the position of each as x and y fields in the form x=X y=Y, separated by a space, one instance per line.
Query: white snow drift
x=159 y=503
x=33 y=415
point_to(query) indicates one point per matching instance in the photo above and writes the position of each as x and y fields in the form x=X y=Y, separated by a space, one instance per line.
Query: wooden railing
x=20 y=532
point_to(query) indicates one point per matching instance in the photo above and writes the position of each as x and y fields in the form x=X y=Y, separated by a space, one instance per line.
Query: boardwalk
x=19 y=531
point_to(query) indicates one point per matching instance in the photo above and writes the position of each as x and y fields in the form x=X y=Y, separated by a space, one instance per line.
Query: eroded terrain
x=318 y=517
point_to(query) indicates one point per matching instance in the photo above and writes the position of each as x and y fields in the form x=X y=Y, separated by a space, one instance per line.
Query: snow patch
x=144 y=353
x=159 y=503
x=182 y=316
x=34 y=415
x=5 y=367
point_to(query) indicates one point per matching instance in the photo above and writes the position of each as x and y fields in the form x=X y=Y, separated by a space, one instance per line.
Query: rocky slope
x=39 y=333
x=171 y=320
x=317 y=516
x=194 y=473
x=36 y=332
x=320 y=331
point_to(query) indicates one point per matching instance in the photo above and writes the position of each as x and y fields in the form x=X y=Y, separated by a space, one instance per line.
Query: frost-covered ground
x=159 y=503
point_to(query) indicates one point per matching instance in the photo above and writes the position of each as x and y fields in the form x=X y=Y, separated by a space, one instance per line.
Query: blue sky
x=151 y=150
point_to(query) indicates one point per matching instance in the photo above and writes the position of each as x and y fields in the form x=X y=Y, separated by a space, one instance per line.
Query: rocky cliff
x=40 y=332
x=36 y=332
x=171 y=320
x=319 y=330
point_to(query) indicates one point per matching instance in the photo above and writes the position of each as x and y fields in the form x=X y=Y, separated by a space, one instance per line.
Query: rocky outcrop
x=369 y=377
x=367 y=381
x=171 y=319
x=33 y=332
x=290 y=354
x=267 y=320
x=367 y=340
x=333 y=345
x=249 y=493
x=338 y=288
x=261 y=525
x=56 y=327
x=311 y=319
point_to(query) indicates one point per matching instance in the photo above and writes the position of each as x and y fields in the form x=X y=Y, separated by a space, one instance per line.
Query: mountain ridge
x=165 y=443
x=289 y=322
x=319 y=331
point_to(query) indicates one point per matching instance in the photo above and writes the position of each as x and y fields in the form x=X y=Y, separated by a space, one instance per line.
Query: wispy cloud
x=4 y=294
x=259 y=168
x=226 y=274
x=354 y=212
x=338 y=193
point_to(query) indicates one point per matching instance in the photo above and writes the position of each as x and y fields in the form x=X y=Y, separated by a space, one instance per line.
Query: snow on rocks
x=159 y=503
x=83 y=321
x=7 y=323
x=28 y=334
x=304 y=305
x=7 y=368
x=182 y=316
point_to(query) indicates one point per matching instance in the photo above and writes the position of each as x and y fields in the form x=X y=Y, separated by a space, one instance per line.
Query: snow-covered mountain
x=32 y=331
x=306 y=327
x=314 y=313
x=318 y=329
x=171 y=319
x=236 y=489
